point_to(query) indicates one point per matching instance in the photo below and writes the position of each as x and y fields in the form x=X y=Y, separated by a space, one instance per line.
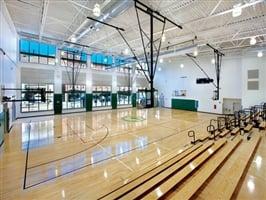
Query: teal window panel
x=105 y=60
x=83 y=56
x=110 y=60
x=34 y=47
x=43 y=49
x=52 y=50
x=99 y=59
x=93 y=58
x=24 y=46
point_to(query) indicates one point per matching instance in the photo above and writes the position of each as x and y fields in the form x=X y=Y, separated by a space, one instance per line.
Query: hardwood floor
x=86 y=155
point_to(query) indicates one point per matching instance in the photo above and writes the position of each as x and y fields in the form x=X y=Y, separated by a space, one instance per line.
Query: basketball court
x=132 y=99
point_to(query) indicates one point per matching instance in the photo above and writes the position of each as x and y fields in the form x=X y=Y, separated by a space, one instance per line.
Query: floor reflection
x=37 y=134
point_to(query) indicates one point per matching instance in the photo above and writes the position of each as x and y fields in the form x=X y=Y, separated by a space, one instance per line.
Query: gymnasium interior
x=132 y=99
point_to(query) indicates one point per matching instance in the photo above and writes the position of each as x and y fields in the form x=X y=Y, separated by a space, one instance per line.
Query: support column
x=58 y=105
x=114 y=90
x=134 y=88
x=89 y=95
x=151 y=58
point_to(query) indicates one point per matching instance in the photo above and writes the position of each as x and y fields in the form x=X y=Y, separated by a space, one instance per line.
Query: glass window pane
x=43 y=60
x=70 y=56
x=51 y=61
x=43 y=49
x=52 y=50
x=34 y=59
x=24 y=46
x=34 y=47
x=24 y=58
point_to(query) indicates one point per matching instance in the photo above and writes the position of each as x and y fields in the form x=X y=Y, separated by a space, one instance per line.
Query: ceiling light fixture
x=126 y=51
x=260 y=54
x=161 y=60
x=237 y=10
x=213 y=61
x=181 y=65
x=163 y=38
x=96 y=10
x=253 y=41
x=195 y=52
x=73 y=39
x=159 y=69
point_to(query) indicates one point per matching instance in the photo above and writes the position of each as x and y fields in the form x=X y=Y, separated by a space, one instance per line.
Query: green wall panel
x=88 y=102
x=57 y=104
x=2 y=122
x=134 y=99
x=185 y=104
x=114 y=100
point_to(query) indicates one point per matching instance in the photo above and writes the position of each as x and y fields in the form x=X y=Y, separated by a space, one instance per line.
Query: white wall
x=8 y=42
x=233 y=80
x=251 y=97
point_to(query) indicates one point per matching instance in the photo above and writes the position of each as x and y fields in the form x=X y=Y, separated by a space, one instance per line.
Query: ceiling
x=210 y=21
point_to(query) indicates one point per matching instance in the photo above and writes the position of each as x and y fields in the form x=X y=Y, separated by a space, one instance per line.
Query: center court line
x=45 y=163
x=128 y=132
x=111 y=157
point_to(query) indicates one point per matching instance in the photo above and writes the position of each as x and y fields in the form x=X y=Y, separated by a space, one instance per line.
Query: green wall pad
x=185 y=104
x=88 y=102
x=57 y=104
x=134 y=99
x=2 y=121
x=114 y=100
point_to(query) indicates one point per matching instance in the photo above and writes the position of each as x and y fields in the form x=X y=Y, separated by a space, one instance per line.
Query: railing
x=211 y=129
x=191 y=133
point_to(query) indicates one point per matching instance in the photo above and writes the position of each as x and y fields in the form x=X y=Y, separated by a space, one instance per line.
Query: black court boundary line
x=101 y=141
x=27 y=158
x=71 y=154
x=109 y=158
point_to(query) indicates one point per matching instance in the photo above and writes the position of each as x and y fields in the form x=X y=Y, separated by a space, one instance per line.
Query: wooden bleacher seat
x=194 y=184
x=202 y=136
x=248 y=128
x=142 y=177
x=262 y=125
x=224 y=133
x=169 y=178
x=235 y=131
x=233 y=175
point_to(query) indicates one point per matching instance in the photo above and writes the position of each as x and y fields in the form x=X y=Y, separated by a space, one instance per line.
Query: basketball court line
x=109 y=158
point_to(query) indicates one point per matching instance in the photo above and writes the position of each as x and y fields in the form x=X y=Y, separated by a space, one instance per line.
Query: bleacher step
x=262 y=125
x=145 y=186
x=189 y=169
x=224 y=133
x=195 y=183
x=223 y=188
x=145 y=174
x=235 y=131
x=248 y=128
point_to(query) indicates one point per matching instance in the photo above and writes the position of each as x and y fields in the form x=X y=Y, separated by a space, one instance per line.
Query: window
x=36 y=52
x=73 y=99
x=72 y=57
x=101 y=96
x=124 y=69
x=101 y=59
x=100 y=67
x=35 y=104
x=124 y=96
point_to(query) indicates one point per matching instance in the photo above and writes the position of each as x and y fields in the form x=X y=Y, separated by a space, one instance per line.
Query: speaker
x=204 y=80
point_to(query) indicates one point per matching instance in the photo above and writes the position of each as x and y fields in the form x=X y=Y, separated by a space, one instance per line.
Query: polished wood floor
x=86 y=155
